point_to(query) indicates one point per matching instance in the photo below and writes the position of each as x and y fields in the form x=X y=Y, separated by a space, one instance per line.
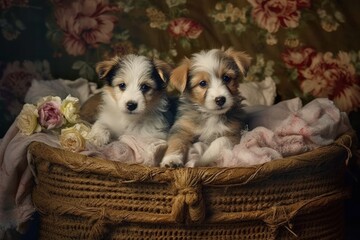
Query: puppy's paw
x=214 y=152
x=172 y=161
x=98 y=138
x=206 y=160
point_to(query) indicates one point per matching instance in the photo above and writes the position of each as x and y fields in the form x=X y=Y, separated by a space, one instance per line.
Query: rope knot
x=191 y=195
x=188 y=205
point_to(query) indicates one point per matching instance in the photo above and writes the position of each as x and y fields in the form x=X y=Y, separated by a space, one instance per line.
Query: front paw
x=209 y=158
x=99 y=139
x=206 y=160
x=172 y=161
x=214 y=152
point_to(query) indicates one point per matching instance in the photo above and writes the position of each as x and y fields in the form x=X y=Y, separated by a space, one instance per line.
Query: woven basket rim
x=220 y=175
x=63 y=175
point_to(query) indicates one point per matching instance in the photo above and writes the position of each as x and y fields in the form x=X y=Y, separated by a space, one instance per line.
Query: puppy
x=210 y=105
x=133 y=100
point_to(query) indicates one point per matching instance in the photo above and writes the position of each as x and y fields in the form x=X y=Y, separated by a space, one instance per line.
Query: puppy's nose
x=220 y=100
x=131 y=106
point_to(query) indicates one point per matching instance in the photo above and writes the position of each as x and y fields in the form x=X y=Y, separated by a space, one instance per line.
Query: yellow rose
x=27 y=121
x=82 y=129
x=70 y=109
x=73 y=138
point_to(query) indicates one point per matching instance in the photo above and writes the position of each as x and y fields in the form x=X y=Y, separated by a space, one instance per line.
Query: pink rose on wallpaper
x=50 y=116
x=185 y=27
x=273 y=14
x=334 y=78
x=347 y=96
x=303 y=3
x=85 y=23
x=298 y=58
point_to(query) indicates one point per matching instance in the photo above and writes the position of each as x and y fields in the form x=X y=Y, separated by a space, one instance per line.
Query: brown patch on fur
x=198 y=77
x=179 y=75
x=177 y=146
x=181 y=137
x=163 y=68
x=103 y=68
x=89 y=110
x=234 y=135
x=152 y=98
x=241 y=59
x=197 y=93
x=233 y=87
x=229 y=68
x=225 y=69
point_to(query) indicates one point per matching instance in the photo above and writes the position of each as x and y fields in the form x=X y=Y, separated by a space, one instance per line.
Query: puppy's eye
x=226 y=79
x=144 y=88
x=122 y=86
x=203 y=83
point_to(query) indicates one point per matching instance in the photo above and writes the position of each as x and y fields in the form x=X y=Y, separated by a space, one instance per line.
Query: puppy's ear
x=241 y=59
x=106 y=69
x=179 y=75
x=163 y=69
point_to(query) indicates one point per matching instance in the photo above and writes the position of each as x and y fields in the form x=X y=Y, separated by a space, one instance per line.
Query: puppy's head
x=210 y=79
x=135 y=84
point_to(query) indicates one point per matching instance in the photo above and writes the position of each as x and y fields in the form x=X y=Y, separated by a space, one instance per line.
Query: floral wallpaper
x=310 y=48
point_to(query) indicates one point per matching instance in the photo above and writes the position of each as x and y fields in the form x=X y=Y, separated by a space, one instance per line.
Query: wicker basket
x=80 y=197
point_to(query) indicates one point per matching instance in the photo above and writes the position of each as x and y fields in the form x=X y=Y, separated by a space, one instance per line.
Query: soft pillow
x=258 y=93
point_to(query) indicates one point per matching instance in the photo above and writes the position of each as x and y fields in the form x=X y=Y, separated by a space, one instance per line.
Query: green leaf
x=20 y=25
x=298 y=93
x=294 y=75
x=185 y=44
x=87 y=72
x=122 y=35
x=54 y=36
x=228 y=28
x=78 y=65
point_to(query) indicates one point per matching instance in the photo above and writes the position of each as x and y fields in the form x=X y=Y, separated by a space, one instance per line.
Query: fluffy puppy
x=210 y=105
x=133 y=100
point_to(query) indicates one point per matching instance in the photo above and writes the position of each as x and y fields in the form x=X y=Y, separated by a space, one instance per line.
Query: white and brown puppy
x=133 y=100
x=210 y=105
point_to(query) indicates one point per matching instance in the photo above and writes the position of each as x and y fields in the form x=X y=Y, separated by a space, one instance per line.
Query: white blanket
x=282 y=130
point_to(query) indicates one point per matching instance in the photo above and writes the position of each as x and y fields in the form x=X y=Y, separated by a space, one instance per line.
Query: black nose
x=131 y=106
x=220 y=101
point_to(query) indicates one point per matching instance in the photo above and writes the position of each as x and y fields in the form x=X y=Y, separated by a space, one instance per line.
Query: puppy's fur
x=210 y=105
x=134 y=99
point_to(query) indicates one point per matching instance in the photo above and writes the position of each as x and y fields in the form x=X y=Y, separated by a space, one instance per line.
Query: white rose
x=27 y=121
x=70 y=109
x=73 y=138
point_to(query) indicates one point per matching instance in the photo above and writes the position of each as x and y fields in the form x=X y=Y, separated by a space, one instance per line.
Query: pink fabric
x=16 y=178
x=130 y=149
x=293 y=129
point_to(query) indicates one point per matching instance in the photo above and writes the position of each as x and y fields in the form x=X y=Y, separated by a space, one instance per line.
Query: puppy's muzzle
x=220 y=101
x=131 y=105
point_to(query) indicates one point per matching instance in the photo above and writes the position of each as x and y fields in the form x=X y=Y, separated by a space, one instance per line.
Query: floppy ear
x=163 y=69
x=106 y=69
x=179 y=75
x=241 y=59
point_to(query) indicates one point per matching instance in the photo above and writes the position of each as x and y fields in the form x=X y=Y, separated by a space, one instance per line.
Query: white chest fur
x=212 y=128
x=153 y=125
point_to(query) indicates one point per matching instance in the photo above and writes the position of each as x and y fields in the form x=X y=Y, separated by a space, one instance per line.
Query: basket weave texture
x=299 y=197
